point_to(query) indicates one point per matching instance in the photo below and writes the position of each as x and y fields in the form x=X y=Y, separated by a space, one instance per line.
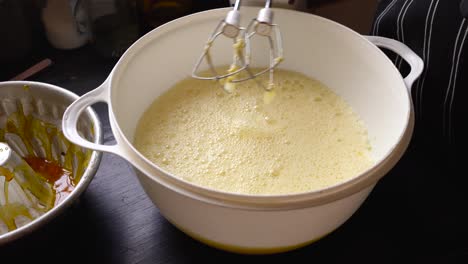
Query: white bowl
x=350 y=64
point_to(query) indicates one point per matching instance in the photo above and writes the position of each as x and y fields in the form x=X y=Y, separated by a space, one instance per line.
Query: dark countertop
x=403 y=220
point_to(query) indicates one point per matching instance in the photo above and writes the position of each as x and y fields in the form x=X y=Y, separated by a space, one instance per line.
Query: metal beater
x=230 y=28
x=261 y=26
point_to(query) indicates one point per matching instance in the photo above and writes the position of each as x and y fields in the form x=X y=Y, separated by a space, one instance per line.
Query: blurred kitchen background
x=37 y=32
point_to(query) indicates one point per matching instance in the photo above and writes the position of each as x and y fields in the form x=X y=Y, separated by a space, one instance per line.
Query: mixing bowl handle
x=415 y=62
x=73 y=112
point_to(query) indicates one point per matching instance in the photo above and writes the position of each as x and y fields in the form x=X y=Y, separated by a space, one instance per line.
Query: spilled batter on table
x=299 y=137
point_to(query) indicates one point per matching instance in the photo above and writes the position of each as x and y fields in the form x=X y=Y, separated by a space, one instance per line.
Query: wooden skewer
x=32 y=70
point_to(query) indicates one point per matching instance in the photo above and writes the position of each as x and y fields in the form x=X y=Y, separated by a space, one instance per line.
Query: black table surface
x=114 y=221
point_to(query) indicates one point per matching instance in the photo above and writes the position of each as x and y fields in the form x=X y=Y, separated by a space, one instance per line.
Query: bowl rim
x=85 y=180
x=247 y=201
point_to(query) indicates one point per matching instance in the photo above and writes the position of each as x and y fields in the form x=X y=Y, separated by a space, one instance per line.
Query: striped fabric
x=424 y=199
x=436 y=30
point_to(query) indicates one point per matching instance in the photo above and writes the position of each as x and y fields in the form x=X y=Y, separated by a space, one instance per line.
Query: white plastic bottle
x=66 y=23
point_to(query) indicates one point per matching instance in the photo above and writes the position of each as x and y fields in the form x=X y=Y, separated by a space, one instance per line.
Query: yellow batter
x=304 y=138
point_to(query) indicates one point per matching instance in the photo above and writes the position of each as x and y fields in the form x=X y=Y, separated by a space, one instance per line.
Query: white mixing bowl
x=348 y=63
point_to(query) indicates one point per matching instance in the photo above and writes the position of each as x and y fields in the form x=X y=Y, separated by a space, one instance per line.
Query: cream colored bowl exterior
x=347 y=62
x=247 y=230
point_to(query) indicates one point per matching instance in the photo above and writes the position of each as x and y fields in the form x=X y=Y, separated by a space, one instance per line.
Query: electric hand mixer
x=230 y=27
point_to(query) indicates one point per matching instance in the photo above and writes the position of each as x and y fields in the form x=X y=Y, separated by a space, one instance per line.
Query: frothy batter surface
x=303 y=137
